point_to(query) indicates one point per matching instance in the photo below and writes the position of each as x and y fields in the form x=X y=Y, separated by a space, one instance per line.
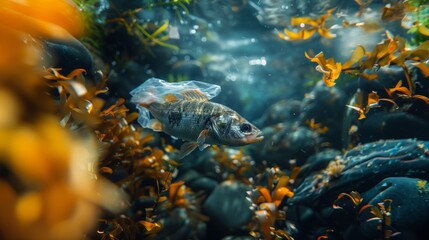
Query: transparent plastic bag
x=154 y=90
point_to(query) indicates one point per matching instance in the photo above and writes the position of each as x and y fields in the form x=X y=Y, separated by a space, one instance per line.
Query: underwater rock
x=364 y=166
x=68 y=56
x=205 y=184
x=202 y=163
x=393 y=125
x=284 y=142
x=402 y=200
x=281 y=111
x=197 y=182
x=325 y=105
x=409 y=208
x=228 y=208
x=317 y=162
x=177 y=226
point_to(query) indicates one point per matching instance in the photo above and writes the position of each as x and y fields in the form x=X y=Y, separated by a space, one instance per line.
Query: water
x=338 y=89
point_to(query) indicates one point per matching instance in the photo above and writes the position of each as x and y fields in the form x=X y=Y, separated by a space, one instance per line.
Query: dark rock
x=177 y=225
x=365 y=166
x=318 y=161
x=385 y=125
x=228 y=208
x=284 y=142
x=197 y=182
x=325 y=105
x=409 y=208
x=201 y=162
x=68 y=55
x=281 y=111
x=205 y=184
x=408 y=212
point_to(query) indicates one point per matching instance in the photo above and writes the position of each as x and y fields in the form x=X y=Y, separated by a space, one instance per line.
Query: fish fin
x=194 y=95
x=155 y=125
x=203 y=146
x=202 y=137
x=170 y=98
x=213 y=127
x=187 y=148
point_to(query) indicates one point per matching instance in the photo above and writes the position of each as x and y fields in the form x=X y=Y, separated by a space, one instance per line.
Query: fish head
x=232 y=129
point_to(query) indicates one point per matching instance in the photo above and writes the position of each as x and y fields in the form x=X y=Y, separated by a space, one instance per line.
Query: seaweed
x=269 y=210
x=391 y=51
x=366 y=214
x=158 y=36
x=48 y=191
x=307 y=27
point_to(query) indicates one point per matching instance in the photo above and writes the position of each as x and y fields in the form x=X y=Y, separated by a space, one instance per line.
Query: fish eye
x=245 y=127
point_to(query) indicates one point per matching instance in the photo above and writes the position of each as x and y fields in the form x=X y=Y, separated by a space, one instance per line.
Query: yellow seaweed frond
x=317 y=127
x=354 y=196
x=402 y=92
x=308 y=26
x=373 y=101
x=330 y=69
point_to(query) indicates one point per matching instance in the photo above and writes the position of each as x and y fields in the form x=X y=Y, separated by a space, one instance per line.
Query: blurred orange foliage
x=51 y=190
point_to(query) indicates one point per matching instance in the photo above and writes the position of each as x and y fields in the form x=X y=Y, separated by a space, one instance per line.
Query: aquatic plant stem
x=407 y=76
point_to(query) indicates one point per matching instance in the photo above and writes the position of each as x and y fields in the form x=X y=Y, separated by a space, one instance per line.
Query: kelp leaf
x=353 y=196
x=368 y=76
x=358 y=53
x=424 y=68
x=56 y=75
x=325 y=33
x=331 y=70
x=423 y=98
x=77 y=88
x=175 y=190
x=423 y=30
x=419 y=54
x=319 y=58
x=303 y=34
x=263 y=217
x=265 y=194
x=359 y=110
x=161 y=29
x=280 y=193
x=106 y=170
x=373 y=100
x=151 y=227
x=360 y=3
x=296 y=21
x=399 y=88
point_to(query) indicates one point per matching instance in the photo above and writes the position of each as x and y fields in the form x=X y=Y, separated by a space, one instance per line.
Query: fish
x=183 y=110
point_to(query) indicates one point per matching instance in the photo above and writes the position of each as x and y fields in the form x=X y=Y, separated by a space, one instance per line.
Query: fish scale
x=186 y=119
